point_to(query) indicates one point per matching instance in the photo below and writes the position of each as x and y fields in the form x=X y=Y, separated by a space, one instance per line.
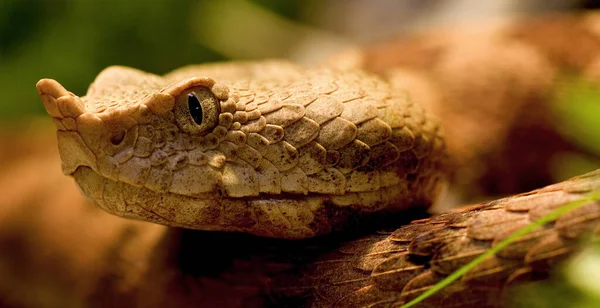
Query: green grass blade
x=513 y=237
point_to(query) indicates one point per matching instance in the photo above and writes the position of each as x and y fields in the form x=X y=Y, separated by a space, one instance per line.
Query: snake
x=282 y=151
x=292 y=154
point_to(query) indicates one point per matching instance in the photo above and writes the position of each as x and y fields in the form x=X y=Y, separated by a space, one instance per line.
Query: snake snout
x=66 y=110
x=74 y=152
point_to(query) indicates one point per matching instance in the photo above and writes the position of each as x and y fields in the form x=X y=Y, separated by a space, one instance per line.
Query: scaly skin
x=281 y=152
x=392 y=268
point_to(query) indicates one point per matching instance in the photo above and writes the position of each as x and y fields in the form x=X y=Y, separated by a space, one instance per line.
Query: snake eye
x=197 y=111
x=195 y=108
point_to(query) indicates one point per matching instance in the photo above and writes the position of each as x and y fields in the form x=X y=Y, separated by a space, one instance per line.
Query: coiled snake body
x=275 y=150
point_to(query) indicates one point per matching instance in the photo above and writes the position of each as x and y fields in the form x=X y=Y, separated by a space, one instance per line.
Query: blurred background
x=71 y=41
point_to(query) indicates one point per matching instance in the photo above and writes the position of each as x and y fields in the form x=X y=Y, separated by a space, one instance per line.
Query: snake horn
x=59 y=102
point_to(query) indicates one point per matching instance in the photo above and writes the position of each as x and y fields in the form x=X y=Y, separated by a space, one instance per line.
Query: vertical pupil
x=195 y=108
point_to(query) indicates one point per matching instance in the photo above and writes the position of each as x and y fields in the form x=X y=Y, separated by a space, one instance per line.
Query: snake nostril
x=118 y=136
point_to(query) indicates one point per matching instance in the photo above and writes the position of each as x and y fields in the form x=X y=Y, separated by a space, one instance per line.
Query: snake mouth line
x=89 y=177
x=282 y=215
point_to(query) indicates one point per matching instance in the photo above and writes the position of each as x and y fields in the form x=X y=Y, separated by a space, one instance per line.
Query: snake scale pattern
x=284 y=152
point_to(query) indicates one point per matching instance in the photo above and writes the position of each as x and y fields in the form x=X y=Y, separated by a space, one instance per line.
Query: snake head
x=248 y=150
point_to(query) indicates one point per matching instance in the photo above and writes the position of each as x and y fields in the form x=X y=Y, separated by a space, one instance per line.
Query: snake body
x=394 y=267
x=377 y=152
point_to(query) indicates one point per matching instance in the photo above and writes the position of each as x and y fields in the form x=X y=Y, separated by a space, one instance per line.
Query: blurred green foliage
x=72 y=40
x=576 y=285
x=576 y=106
